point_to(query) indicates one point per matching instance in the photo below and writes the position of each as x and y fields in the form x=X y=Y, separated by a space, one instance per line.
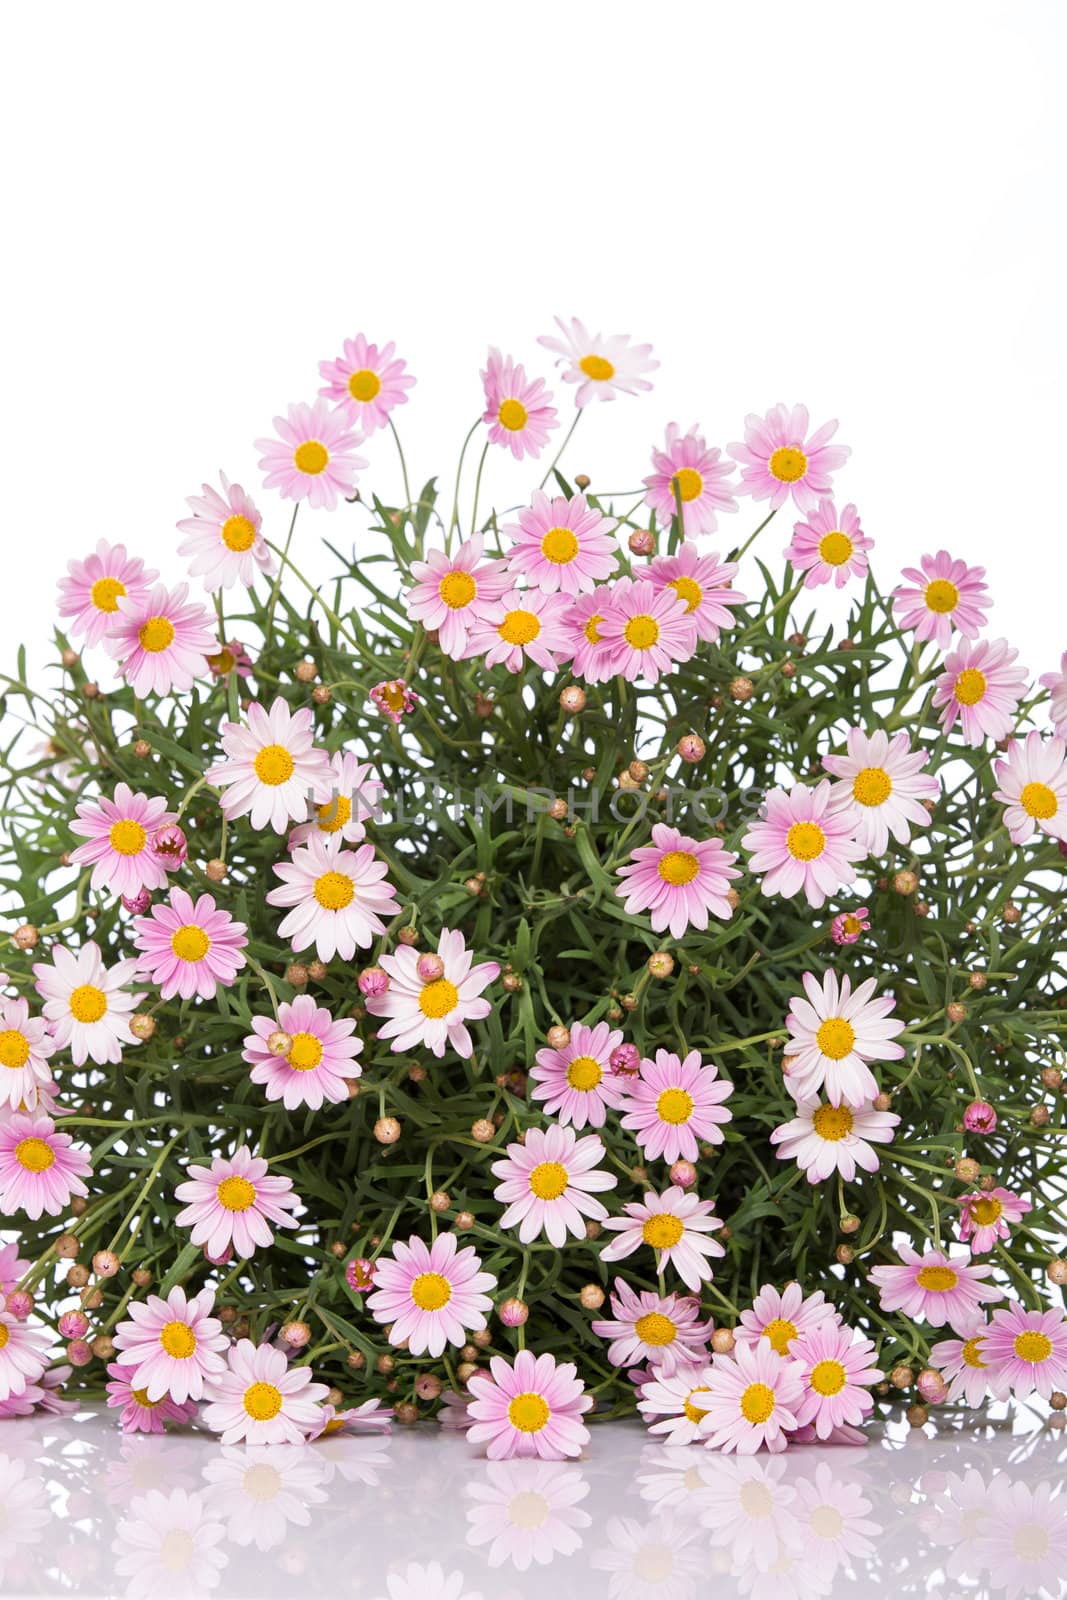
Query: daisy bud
x=733 y=899
x=469 y=1353
x=73 y=1324
x=359 y=1274
x=570 y=831
x=79 y=1354
x=26 y=936
x=296 y=974
x=357 y=1360
x=918 y=1416
x=317 y=970
x=93 y=1299
x=77 y=1276
x=387 y=1130
x=1011 y=911
x=1058 y=1400
x=430 y=967
x=305 y=672
x=955 y=1011
x=137 y=904
x=846 y=644
x=141 y=1277
x=684 y=1174
x=482 y=1130
x=385 y=1365
x=352 y=1087
x=296 y=1334
x=279 y=1043
x=142 y=1026
x=67 y=1247
x=1051 y=1077
x=558 y=811
x=464 y=1221
x=572 y=699
x=406 y=1413
x=582 y=481
x=798 y=640
x=558 y=1036
x=1039 y=1117
x=106 y=1263
x=661 y=964
x=322 y=694
x=977 y=980
x=931 y=1386
x=980 y=1117
x=789 y=669
x=625 y=781
x=902 y=1377
x=849 y=1223
x=427 y=1386
x=625 y=1059
x=967 y=1169
x=638 y=771
x=512 y=982
x=170 y=847
x=19 y=1304
x=642 y=542
x=103 y=1347
x=482 y=1338
x=410 y=936
x=905 y=882
x=845 y=1255
x=629 y=1002
x=691 y=747
x=592 y=1230
x=91 y=691
x=373 y=982
x=589 y=775
x=440 y=1200
x=215 y=871
x=1057 y=1271
x=467 y=1370
x=722 y=1341
x=741 y=689
x=473 y=886
x=69 y=658
x=484 y=706
x=513 y=1313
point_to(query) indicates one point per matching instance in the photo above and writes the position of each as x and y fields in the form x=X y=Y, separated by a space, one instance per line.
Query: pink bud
x=430 y=967
x=980 y=1117
x=373 y=982
x=513 y=1313
x=220 y=1260
x=691 y=747
x=625 y=1058
x=19 y=1304
x=137 y=904
x=169 y=846
x=359 y=1274
x=79 y=1353
x=931 y=1385
x=73 y=1324
x=684 y=1174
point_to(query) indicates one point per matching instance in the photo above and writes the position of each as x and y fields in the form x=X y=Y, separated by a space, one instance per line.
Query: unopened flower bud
x=69 y=658
x=141 y=1276
x=464 y=1221
x=512 y=982
x=980 y=1117
x=514 y=1312
x=661 y=964
x=722 y=1341
x=1011 y=911
x=279 y=1043
x=1039 y=1117
x=79 y=1354
x=317 y=970
x=215 y=871
x=440 y=1200
x=849 y=1223
x=691 y=747
x=582 y=481
x=902 y=1377
x=142 y=1026
x=296 y=974
x=955 y=1011
x=482 y=1131
x=103 y=1347
x=430 y=967
x=26 y=936
x=67 y=1247
x=73 y=1324
x=967 y=1169
x=387 y=1130
x=77 y=1275
x=373 y=982
x=558 y=1036
x=19 y=1304
x=296 y=1334
x=741 y=689
x=918 y=1416
x=106 y=1263
x=572 y=699
x=642 y=542
x=1057 y=1271
x=684 y=1174
x=305 y=672
x=905 y=882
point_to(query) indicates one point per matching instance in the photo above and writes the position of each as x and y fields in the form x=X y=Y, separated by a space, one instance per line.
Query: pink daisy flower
x=189 y=947
x=233 y=657
x=525 y=1513
x=776 y=1318
x=394 y=699
x=119 y=834
x=25 y=1045
x=431 y=1295
x=524 y=625
x=1056 y=684
x=259 y=1398
x=529 y=1407
x=752 y=1400
x=678 y=880
x=337 y=897
x=548 y=1184
x=1033 y=787
x=1027 y=1350
x=366 y=383
x=40 y=1169
x=944 y=595
x=664 y=1330
x=354 y=797
x=836 y=1370
x=172 y=1345
x=882 y=787
x=847 y=926
x=592 y=657
x=576 y=1082
x=23 y=1353
x=273 y=764
x=434 y=1012
x=13 y=1268
x=824 y=1139
x=700 y=479
x=651 y=630
x=233 y=1202
x=601 y=367
x=318 y=1062
x=984 y=1217
x=452 y=593
x=672 y=1104
x=779 y=457
x=313 y=457
x=91 y=593
x=518 y=410
x=159 y=641
x=370 y=1417
x=139 y=1414
x=223 y=538
x=676 y=1225
x=981 y=688
x=561 y=544
x=830 y=546
x=705 y=584
x=963 y=1363
x=934 y=1287
x=677 y=1401
x=833 y=1034
x=85 y=1003
x=801 y=842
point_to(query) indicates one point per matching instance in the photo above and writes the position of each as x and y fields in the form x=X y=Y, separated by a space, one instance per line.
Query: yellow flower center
x=584 y=1073
x=1039 y=801
x=986 y=1211
x=437 y=999
x=364 y=385
x=263 y=1482
x=678 y=867
x=693 y=1411
x=430 y=1291
x=689 y=590
x=311 y=457
x=238 y=533
x=662 y=1231
x=457 y=589
x=14 y=1048
x=156 y=634
x=597 y=367
x=852 y=924
x=788 y=464
x=512 y=415
x=778 y=1333
x=971 y=1351
x=393 y=695
x=141 y=1396
x=1030 y=1542
x=127 y=837
x=4 y=1335
x=828 y=1377
x=641 y=632
x=88 y=1003
x=177 y=1550
x=105 y=593
x=262 y=1401
x=190 y=942
x=805 y=841
x=674 y=1106
x=835 y=548
x=592 y=632
x=836 y=1038
x=306 y=1052
x=757 y=1501
x=178 y=1340
x=970 y=686
x=826 y=1522
x=938 y=1280
x=687 y=484
x=942 y=596
x=559 y=546
x=872 y=786
x=832 y=1123
x=223 y=661
x=757 y=1402
x=548 y=1180
x=274 y=765
x=528 y=1510
x=1031 y=1346
x=236 y=1194
x=334 y=814
x=655 y=1329
x=528 y=1412
x=519 y=627
x=334 y=891
x=34 y=1155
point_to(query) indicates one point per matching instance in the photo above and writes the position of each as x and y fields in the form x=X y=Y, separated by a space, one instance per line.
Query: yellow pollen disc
x=127 y=837
x=986 y=1211
x=88 y=1003
x=778 y=1334
x=641 y=632
x=223 y=661
x=393 y=696
x=236 y=1194
x=190 y=943
x=4 y=1335
x=942 y=596
x=548 y=1180
x=238 y=533
x=757 y=1501
x=274 y=765
x=262 y=1401
x=334 y=891
x=34 y=1155
x=835 y=548
x=437 y=999
x=334 y=1425
x=1032 y=1347
x=528 y=1510
x=805 y=841
x=970 y=686
x=178 y=1340
x=306 y=1052
x=938 y=1280
x=836 y=1038
x=364 y=385
x=176 y=1551
x=584 y=1073
x=559 y=546
x=334 y=814
x=141 y=1396
x=971 y=1352
x=311 y=457
x=597 y=367
x=528 y=1412
x=689 y=590
x=828 y=1377
x=1030 y=1542
x=14 y=1048
x=430 y=1291
x=832 y=1123
x=674 y=1106
x=457 y=589
x=105 y=593
x=1039 y=801
x=156 y=634
x=512 y=415
x=757 y=1402
x=592 y=632
x=519 y=627
x=853 y=924
x=662 y=1231
x=678 y=867
x=692 y=1411
x=688 y=484
x=788 y=464
x=655 y=1329
x=263 y=1482
x=872 y=786
x=826 y=1522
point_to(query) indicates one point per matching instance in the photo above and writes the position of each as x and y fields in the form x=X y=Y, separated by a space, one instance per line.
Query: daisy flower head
x=673 y=1104
x=189 y=947
x=882 y=787
x=366 y=383
x=532 y=1406
x=986 y=1215
x=394 y=698
x=779 y=457
x=25 y=1045
x=677 y=1226
x=549 y=1183
x=527 y=1512
x=369 y=1417
x=686 y=470
x=981 y=689
x=935 y=1288
x=601 y=366
x=848 y=926
x=833 y=1033
x=272 y=763
x=139 y=1414
x=354 y=796
x=259 y=1398
x=664 y=1330
x=942 y=595
x=650 y=629
x=319 y=1062
x=159 y=640
x=518 y=410
x=431 y=1295
x=824 y=1139
x=434 y=1012
x=800 y=842
x=524 y=625
x=576 y=1082
x=23 y=1353
x=172 y=1344
x=167 y=1546
x=592 y=657
x=561 y=544
x=830 y=546
x=86 y=1004
x=336 y=897
x=233 y=657
x=753 y=1399
x=233 y=1203
x=705 y=584
x=1056 y=684
x=1027 y=1350
x=676 y=1402
x=313 y=456
x=964 y=1365
x=40 y=1168
x=1032 y=780
x=119 y=834
x=91 y=592
x=777 y=1317
x=453 y=592
x=836 y=1371
x=678 y=880
x=222 y=536
x=1022 y=1548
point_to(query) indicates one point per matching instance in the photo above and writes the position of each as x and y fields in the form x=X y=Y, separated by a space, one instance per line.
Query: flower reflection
x=168 y=1547
x=1024 y=1547
x=527 y=1511
x=418 y=1582
x=23 y=1514
x=657 y=1560
x=263 y=1489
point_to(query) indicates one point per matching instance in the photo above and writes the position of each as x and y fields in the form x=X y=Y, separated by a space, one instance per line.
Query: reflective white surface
x=85 y=1510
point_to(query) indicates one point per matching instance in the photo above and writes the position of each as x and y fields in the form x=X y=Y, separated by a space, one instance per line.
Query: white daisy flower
x=86 y=1004
x=676 y=1225
x=882 y=779
x=675 y=1400
x=822 y=1139
x=336 y=896
x=273 y=766
x=1033 y=787
x=433 y=1010
x=602 y=367
x=832 y=1036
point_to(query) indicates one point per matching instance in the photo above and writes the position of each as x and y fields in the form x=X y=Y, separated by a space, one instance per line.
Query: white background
x=859 y=206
